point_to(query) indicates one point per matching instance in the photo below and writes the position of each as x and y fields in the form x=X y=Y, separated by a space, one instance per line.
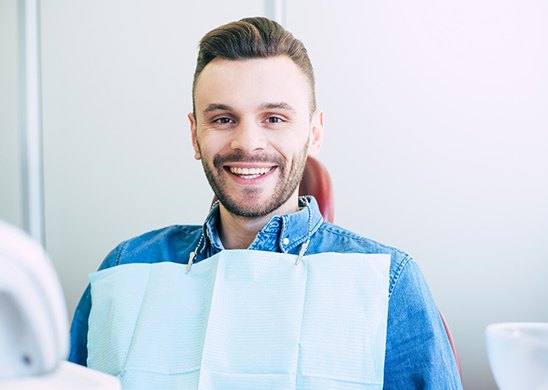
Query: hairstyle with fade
x=256 y=37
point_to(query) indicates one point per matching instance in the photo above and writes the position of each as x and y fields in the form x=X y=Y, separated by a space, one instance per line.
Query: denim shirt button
x=285 y=241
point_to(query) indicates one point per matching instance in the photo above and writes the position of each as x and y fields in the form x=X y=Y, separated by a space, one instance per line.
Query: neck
x=237 y=232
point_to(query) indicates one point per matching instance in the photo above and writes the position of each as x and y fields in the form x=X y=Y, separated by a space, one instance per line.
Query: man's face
x=253 y=131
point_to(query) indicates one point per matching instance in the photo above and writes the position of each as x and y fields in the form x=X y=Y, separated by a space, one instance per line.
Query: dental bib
x=243 y=319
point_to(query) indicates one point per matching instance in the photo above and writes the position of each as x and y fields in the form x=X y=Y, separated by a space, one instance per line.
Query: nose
x=248 y=137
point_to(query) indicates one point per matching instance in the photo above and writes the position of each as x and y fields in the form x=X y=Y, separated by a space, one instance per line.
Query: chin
x=250 y=208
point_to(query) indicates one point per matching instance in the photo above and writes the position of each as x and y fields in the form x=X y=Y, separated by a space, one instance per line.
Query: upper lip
x=241 y=164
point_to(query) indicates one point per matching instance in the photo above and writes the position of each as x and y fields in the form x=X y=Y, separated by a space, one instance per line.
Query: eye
x=274 y=119
x=223 y=120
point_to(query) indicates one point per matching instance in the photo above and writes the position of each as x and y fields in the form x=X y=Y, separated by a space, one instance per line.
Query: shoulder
x=333 y=238
x=172 y=243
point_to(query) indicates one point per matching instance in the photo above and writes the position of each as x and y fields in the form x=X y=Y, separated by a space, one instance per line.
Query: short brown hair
x=256 y=37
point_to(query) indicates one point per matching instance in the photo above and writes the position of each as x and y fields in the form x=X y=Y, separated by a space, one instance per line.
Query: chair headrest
x=317 y=182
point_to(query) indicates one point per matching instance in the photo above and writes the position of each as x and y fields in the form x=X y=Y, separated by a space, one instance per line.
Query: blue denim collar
x=283 y=233
x=210 y=229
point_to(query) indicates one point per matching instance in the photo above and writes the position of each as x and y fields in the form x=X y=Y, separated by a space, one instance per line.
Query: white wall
x=10 y=151
x=437 y=139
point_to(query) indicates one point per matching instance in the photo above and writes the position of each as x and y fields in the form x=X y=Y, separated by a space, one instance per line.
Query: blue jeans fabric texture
x=418 y=352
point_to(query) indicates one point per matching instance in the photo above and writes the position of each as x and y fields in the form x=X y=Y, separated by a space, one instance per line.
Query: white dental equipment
x=34 y=337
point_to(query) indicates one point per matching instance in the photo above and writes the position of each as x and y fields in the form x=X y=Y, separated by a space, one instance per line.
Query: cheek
x=292 y=144
x=292 y=154
x=213 y=144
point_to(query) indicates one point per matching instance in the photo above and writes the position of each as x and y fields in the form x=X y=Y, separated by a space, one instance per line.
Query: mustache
x=239 y=156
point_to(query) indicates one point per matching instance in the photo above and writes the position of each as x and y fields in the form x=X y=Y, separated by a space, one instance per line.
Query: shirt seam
x=397 y=274
x=119 y=251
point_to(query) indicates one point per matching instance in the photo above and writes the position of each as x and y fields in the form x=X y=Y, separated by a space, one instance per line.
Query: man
x=253 y=125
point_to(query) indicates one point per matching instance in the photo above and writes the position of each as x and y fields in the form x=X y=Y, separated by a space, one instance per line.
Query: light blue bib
x=243 y=320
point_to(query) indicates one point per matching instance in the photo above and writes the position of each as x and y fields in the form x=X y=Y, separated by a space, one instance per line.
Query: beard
x=251 y=205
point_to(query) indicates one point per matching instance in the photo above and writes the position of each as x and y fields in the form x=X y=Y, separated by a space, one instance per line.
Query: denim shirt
x=418 y=352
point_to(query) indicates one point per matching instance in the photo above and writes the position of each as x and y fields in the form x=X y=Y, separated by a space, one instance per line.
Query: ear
x=193 y=128
x=316 y=134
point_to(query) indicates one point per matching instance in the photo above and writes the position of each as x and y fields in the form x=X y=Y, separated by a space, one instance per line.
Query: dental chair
x=34 y=337
x=317 y=182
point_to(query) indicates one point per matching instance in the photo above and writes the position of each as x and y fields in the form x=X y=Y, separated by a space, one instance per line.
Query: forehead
x=254 y=81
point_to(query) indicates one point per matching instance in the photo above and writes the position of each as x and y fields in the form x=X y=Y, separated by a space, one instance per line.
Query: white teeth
x=249 y=173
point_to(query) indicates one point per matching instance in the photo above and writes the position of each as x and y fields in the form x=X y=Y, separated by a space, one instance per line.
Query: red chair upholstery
x=452 y=342
x=317 y=182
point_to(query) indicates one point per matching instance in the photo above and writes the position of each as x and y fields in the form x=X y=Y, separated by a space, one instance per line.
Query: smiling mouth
x=250 y=173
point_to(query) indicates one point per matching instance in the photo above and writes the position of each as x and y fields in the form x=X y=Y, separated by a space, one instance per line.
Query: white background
x=436 y=137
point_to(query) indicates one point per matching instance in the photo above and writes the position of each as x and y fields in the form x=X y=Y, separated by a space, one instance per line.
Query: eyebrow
x=217 y=107
x=265 y=106
x=277 y=106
